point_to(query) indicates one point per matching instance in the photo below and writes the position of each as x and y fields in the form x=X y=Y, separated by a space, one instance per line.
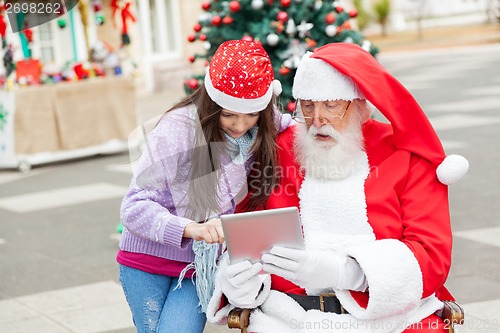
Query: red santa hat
x=240 y=77
x=346 y=71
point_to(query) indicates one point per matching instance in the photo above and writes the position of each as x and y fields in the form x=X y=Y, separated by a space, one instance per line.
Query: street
x=58 y=238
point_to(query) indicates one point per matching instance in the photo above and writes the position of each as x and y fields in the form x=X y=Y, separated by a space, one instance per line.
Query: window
x=155 y=27
x=159 y=26
x=46 y=42
x=170 y=26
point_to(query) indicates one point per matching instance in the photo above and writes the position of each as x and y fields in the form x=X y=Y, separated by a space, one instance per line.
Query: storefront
x=77 y=79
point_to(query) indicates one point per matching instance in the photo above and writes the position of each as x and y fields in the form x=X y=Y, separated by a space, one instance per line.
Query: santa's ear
x=363 y=109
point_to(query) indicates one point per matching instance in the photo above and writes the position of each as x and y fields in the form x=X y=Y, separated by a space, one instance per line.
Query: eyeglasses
x=334 y=111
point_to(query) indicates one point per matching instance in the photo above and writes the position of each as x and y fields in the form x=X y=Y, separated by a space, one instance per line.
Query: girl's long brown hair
x=206 y=163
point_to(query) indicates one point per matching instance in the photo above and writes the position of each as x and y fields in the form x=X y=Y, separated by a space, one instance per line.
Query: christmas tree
x=285 y=28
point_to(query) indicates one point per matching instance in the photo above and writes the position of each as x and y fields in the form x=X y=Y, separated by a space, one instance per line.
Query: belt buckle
x=322 y=302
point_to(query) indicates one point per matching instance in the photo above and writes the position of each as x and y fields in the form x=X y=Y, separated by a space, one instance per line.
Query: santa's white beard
x=329 y=159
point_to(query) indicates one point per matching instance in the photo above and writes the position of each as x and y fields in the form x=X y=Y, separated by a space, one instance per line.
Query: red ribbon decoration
x=3 y=24
x=125 y=13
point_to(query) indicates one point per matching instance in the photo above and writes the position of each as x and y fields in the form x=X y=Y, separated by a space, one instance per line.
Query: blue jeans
x=156 y=307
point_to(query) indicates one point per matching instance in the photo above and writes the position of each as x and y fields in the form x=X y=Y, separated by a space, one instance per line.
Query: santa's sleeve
x=401 y=272
x=218 y=308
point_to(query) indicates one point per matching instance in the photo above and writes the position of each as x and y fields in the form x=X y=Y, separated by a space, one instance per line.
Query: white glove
x=315 y=269
x=241 y=283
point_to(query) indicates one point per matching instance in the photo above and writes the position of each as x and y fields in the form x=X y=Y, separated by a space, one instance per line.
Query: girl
x=201 y=159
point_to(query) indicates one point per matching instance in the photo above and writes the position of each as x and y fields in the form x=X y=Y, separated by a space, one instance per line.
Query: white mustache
x=324 y=130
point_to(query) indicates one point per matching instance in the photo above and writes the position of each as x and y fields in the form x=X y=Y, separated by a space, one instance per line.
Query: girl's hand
x=211 y=231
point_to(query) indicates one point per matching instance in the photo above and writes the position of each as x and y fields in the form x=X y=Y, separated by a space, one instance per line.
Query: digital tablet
x=249 y=235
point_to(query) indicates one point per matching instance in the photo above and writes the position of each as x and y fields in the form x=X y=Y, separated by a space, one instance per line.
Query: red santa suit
x=391 y=214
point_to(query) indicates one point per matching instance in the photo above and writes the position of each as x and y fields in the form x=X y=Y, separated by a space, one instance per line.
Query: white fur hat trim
x=317 y=80
x=452 y=169
x=235 y=104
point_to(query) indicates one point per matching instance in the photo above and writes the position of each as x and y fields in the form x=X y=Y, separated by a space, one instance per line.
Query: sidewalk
x=442 y=37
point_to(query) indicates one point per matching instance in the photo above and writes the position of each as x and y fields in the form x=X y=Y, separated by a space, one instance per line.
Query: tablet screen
x=249 y=235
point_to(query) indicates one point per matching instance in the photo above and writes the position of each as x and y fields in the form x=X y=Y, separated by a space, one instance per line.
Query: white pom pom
x=277 y=89
x=452 y=169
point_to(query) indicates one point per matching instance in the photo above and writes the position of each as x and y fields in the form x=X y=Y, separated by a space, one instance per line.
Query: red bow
x=125 y=13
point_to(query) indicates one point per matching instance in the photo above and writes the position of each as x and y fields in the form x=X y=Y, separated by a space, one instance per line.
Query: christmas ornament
x=96 y=5
x=284 y=71
x=318 y=4
x=204 y=18
x=205 y=5
x=293 y=53
x=303 y=28
x=193 y=84
x=191 y=38
x=282 y=16
x=99 y=18
x=192 y=59
x=203 y=37
x=330 y=18
x=353 y=13
x=61 y=23
x=216 y=20
x=227 y=20
x=207 y=45
x=278 y=25
x=366 y=45
x=339 y=9
x=331 y=30
x=247 y=38
x=311 y=43
x=197 y=27
x=291 y=106
x=285 y=3
x=257 y=4
x=98 y=12
x=346 y=25
x=272 y=39
x=348 y=40
x=291 y=28
x=234 y=6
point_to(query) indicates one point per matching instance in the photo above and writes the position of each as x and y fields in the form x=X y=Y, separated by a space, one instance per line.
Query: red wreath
x=124 y=7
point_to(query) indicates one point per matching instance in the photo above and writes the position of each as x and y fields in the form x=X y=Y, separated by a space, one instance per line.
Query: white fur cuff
x=394 y=279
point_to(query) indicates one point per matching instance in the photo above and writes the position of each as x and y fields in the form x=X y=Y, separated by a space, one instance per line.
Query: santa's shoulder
x=285 y=139
x=377 y=130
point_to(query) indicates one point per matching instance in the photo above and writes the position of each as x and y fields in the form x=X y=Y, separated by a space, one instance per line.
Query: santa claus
x=373 y=205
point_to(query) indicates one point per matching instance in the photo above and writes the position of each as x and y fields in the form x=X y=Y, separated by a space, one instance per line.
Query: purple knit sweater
x=153 y=209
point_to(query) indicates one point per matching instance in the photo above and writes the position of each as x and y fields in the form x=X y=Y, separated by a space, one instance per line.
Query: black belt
x=326 y=302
